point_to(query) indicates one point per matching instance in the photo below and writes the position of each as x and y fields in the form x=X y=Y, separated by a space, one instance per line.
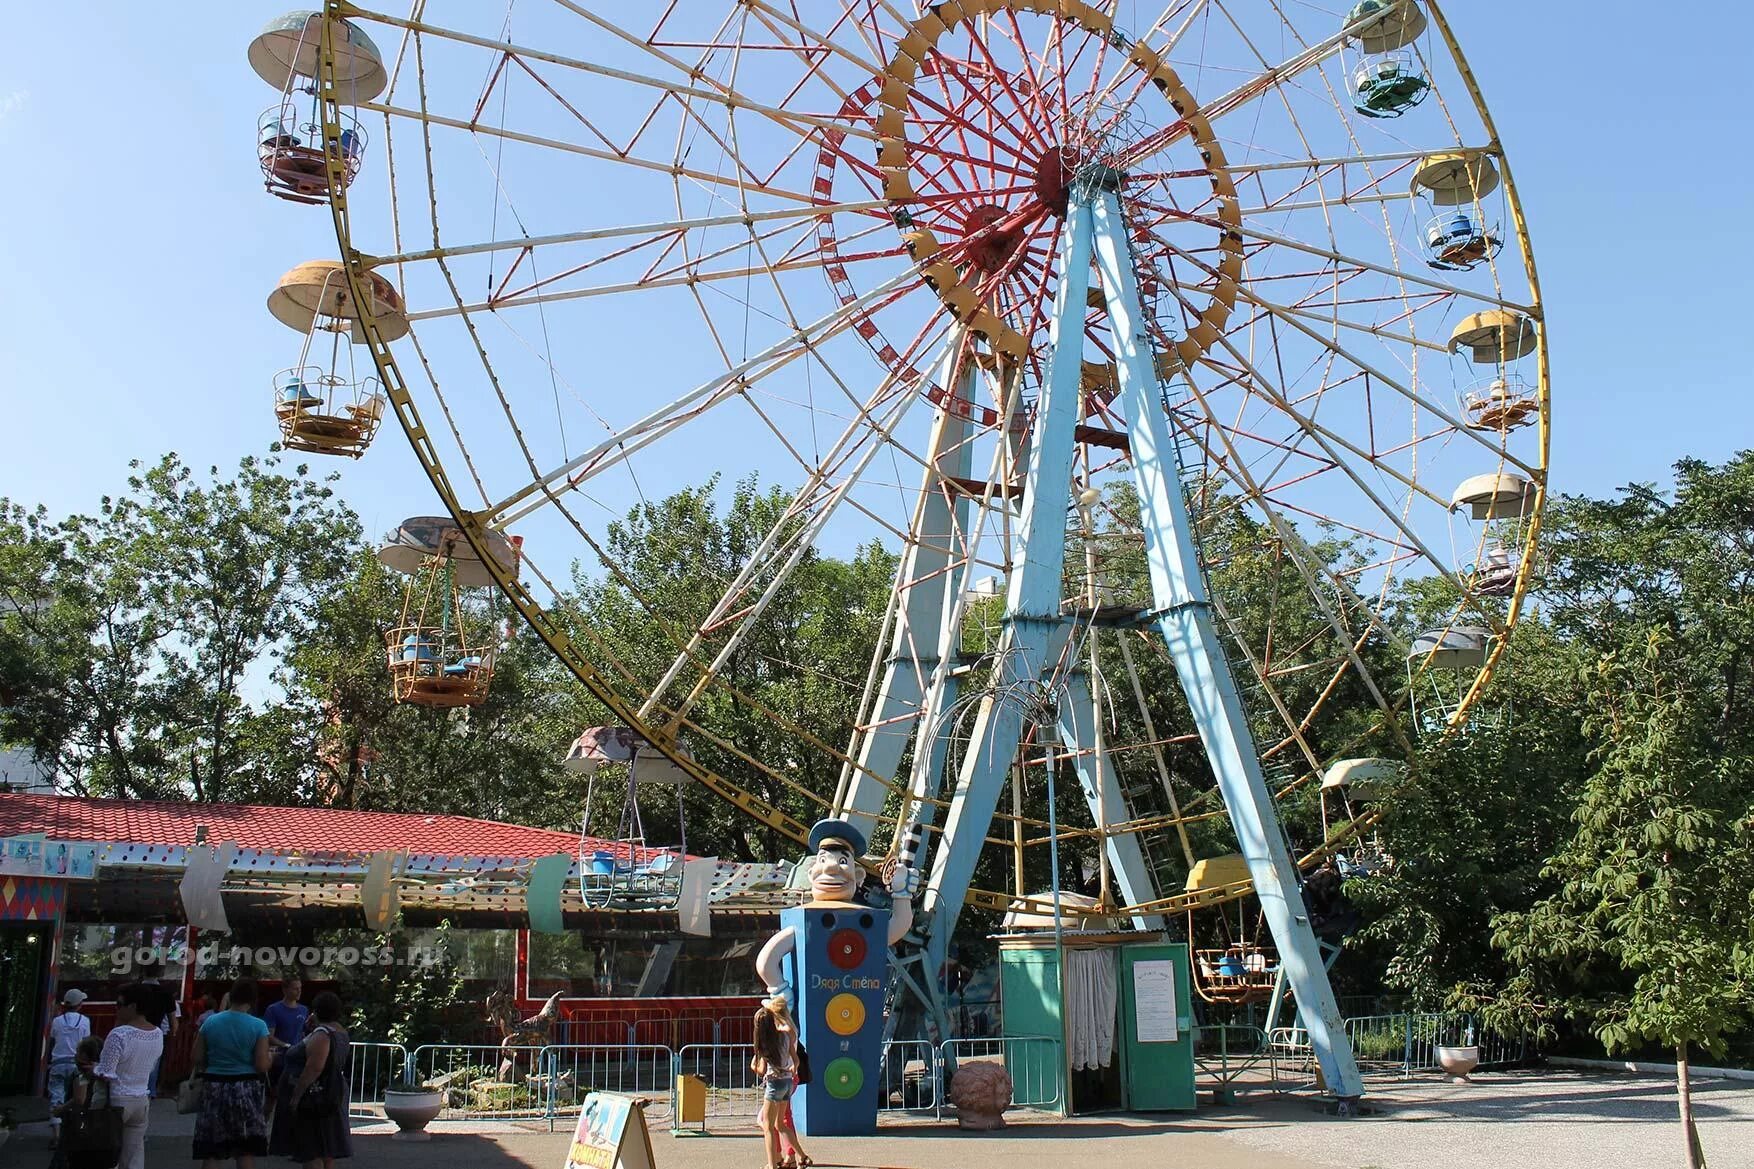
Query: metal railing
x=1034 y=1062
x=1397 y=1045
x=908 y=1077
x=371 y=1068
x=570 y=1072
x=733 y=1091
x=1234 y=1057
x=484 y=1080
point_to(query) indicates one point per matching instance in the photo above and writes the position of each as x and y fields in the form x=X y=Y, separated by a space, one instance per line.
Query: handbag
x=319 y=1099
x=803 y=1066
x=189 y=1094
x=96 y=1128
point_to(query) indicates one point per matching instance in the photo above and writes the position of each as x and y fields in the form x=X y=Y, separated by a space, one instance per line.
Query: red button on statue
x=846 y=949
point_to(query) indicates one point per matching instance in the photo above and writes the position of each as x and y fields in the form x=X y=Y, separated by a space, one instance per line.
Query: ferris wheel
x=1195 y=343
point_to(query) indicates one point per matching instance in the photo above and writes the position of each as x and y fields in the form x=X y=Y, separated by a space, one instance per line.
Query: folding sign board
x=611 y=1134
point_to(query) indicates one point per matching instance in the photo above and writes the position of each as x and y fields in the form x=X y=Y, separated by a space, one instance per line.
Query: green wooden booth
x=1131 y=983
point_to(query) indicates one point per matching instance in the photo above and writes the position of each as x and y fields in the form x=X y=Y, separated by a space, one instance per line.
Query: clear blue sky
x=138 y=244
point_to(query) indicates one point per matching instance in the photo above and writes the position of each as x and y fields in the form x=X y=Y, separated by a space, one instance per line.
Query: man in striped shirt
x=131 y=1052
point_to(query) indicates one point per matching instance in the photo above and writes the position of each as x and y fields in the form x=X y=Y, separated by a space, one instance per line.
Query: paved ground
x=1554 y=1120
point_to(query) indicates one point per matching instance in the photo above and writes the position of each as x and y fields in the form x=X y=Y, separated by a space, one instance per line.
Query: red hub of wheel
x=990 y=246
x=1053 y=178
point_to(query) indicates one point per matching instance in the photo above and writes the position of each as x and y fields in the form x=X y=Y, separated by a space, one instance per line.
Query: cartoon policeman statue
x=830 y=962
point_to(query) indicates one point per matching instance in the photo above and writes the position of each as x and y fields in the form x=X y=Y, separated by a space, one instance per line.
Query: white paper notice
x=1154 y=1001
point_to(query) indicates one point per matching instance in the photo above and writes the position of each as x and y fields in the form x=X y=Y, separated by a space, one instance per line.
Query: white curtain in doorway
x=1091 y=989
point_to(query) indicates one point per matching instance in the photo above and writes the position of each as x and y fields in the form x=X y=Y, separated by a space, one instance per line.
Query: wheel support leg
x=1185 y=621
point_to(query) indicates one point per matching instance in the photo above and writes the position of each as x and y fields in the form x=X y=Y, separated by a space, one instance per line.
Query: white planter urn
x=1458 y=1061
x=412 y=1109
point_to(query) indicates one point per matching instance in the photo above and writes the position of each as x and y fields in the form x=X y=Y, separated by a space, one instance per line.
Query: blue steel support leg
x=1185 y=621
x=914 y=680
x=1033 y=625
x=1102 y=791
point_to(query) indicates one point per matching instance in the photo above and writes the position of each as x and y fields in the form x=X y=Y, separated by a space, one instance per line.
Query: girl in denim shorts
x=776 y=1062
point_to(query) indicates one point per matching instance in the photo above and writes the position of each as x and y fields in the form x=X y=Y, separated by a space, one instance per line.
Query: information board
x=1154 y=1002
x=611 y=1134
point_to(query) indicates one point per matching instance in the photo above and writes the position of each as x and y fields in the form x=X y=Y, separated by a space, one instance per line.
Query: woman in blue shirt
x=231 y=1057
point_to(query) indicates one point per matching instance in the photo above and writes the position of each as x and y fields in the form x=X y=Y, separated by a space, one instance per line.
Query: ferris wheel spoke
x=686 y=273
x=617 y=447
x=795 y=121
x=1425 y=402
x=668 y=169
x=654 y=231
x=1310 y=566
x=825 y=42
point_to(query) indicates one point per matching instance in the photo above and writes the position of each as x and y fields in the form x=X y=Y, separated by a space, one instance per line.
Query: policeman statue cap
x=837 y=830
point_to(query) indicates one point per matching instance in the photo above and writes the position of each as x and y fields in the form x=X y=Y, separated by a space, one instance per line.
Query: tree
x=802 y=666
x=131 y=637
x=1645 y=937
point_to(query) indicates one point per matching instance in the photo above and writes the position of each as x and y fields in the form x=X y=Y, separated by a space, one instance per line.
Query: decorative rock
x=981 y=1092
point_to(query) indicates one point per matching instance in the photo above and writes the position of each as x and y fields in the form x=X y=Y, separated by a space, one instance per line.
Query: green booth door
x=1156 y=1040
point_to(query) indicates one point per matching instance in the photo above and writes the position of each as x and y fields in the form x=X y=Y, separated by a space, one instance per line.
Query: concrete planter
x=412 y=1109
x=1458 y=1061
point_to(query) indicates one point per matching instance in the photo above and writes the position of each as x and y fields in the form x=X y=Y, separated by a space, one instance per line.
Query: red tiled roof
x=166 y=822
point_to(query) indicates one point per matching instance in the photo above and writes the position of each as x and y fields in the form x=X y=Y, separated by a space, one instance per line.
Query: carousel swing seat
x=326 y=414
x=295 y=163
x=427 y=669
x=1500 y=403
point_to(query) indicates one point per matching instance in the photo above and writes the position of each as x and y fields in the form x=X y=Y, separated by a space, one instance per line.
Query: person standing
x=231 y=1057
x=66 y=1030
x=168 y=1014
x=287 y=1020
x=130 y=1057
x=286 y=1017
x=310 y=1117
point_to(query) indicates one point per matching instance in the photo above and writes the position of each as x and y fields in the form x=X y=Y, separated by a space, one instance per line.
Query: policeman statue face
x=835 y=874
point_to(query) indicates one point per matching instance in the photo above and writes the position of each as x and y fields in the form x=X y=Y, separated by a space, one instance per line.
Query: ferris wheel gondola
x=287 y=54
x=324 y=403
x=441 y=652
x=626 y=869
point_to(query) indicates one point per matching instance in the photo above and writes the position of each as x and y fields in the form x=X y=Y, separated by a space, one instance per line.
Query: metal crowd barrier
x=570 y=1072
x=1398 y=1045
x=1234 y=1057
x=373 y=1067
x=476 y=1079
x=1034 y=1062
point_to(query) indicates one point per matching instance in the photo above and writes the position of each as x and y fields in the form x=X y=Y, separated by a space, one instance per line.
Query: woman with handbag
x=231 y=1059
x=91 y=1130
x=310 y=1115
x=130 y=1058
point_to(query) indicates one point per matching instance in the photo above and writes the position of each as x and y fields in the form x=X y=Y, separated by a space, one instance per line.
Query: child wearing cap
x=66 y=1030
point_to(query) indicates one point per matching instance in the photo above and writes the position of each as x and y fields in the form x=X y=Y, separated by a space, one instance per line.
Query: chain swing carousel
x=938 y=273
x=441 y=652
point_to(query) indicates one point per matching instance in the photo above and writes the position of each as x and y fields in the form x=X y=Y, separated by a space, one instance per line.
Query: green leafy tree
x=132 y=637
x=1644 y=936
